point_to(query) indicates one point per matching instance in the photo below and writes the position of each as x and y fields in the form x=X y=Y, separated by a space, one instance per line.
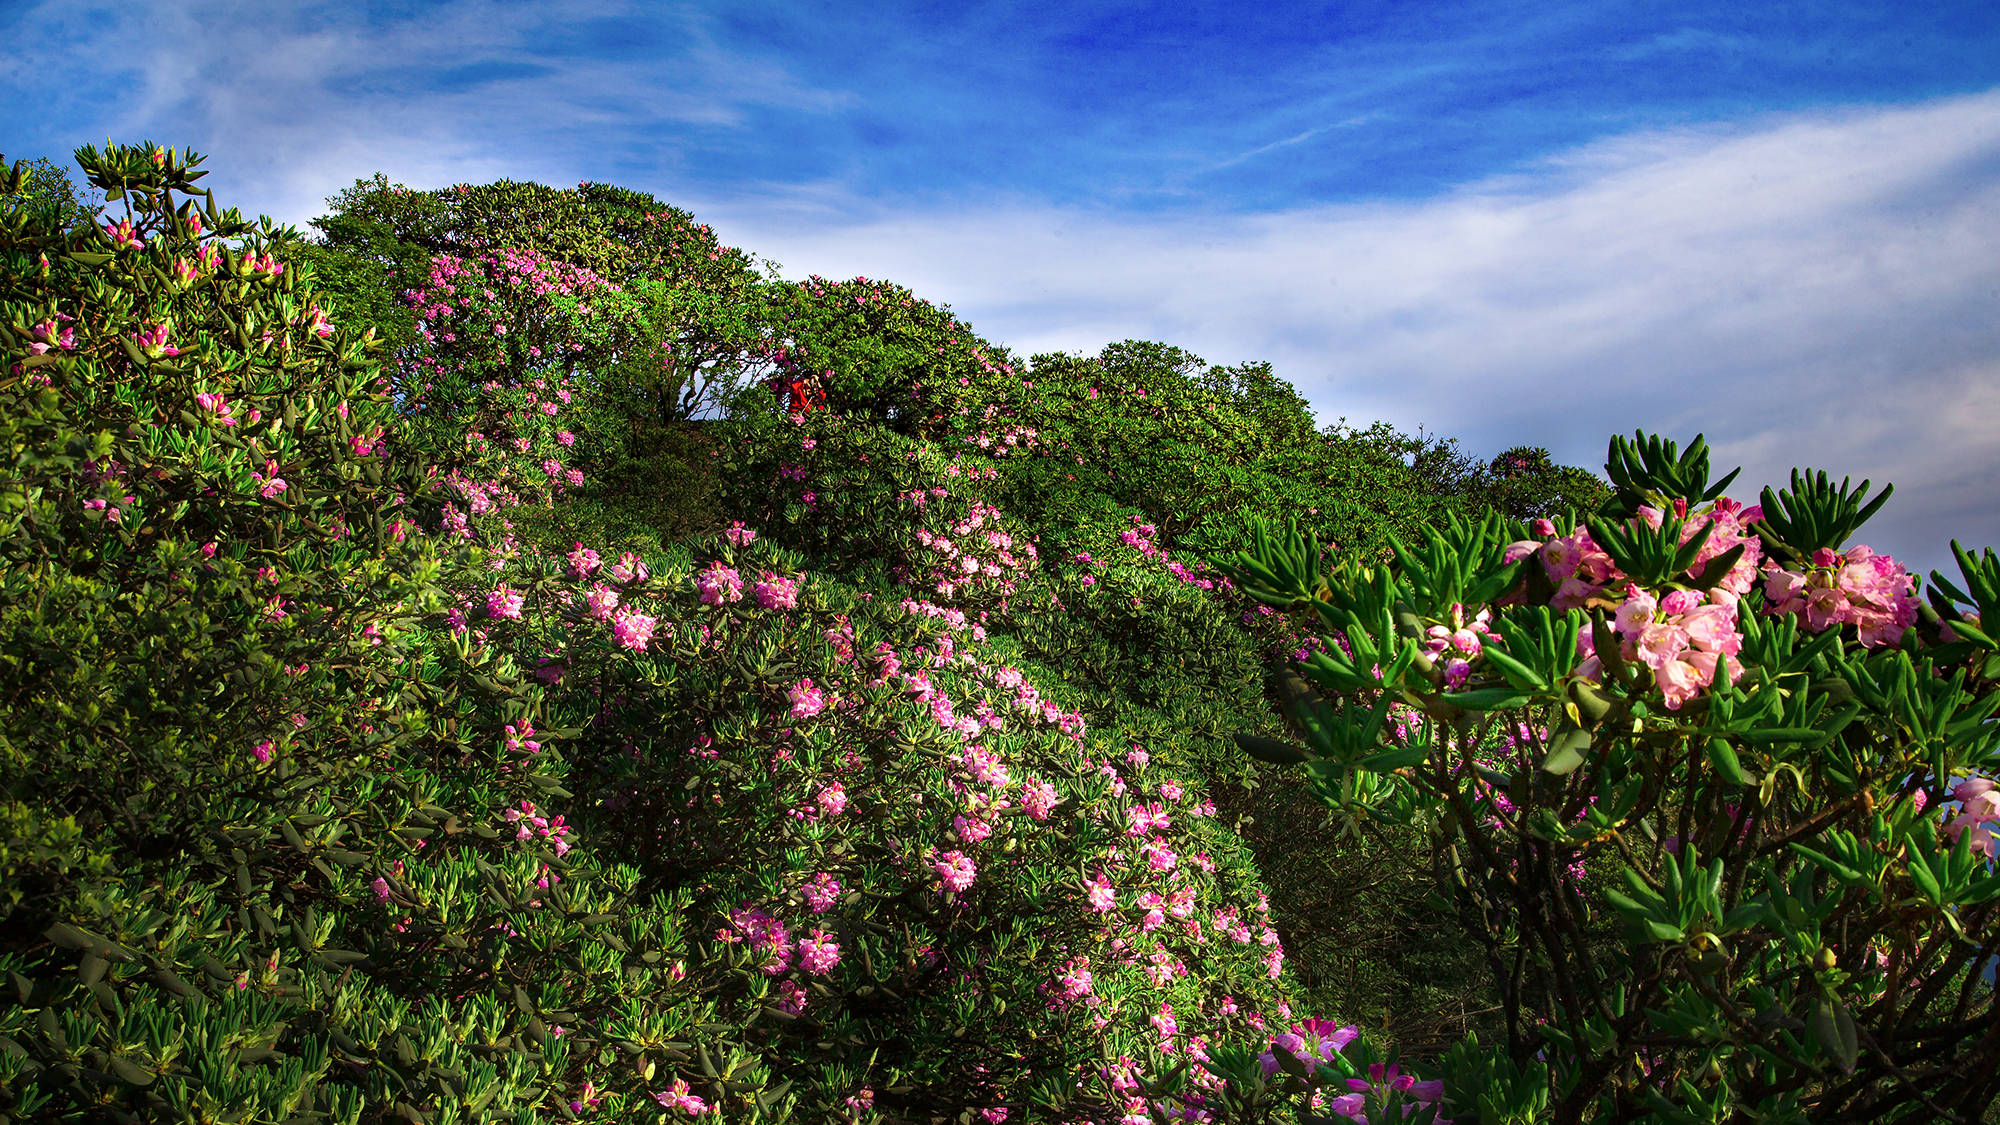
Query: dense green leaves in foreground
x=1692 y=801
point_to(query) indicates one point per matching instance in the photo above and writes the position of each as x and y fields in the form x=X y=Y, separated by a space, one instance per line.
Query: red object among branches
x=803 y=393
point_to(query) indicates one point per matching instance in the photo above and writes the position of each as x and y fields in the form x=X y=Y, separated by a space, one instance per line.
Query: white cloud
x=1813 y=290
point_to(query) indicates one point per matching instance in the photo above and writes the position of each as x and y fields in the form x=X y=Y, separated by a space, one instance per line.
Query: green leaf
x=1926 y=881
x=1723 y=757
x=1718 y=567
x=1833 y=866
x=1566 y=751
x=1271 y=750
x=1389 y=761
x=1520 y=675
x=1487 y=699
x=1833 y=1029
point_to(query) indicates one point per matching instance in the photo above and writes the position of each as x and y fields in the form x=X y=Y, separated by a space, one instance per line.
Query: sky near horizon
x=1508 y=223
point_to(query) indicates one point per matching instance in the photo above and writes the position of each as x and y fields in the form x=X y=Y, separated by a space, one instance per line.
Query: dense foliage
x=506 y=658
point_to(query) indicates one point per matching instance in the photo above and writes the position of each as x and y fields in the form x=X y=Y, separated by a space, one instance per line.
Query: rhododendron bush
x=1686 y=760
x=330 y=794
x=692 y=311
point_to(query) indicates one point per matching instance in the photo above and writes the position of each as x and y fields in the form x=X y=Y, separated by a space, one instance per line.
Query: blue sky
x=1509 y=223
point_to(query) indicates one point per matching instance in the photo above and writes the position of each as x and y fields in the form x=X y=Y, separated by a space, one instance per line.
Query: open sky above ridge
x=1512 y=223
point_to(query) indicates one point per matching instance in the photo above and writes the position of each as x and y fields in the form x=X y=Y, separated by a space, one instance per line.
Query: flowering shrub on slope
x=608 y=836
x=888 y=777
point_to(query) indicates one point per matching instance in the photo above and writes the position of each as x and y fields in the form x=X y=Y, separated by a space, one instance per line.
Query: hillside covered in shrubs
x=509 y=657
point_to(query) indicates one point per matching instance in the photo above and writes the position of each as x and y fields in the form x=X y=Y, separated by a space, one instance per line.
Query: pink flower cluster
x=774 y=592
x=677 y=1097
x=531 y=824
x=1313 y=1041
x=269 y=482
x=1583 y=571
x=818 y=953
x=822 y=892
x=806 y=699
x=505 y=603
x=719 y=584
x=46 y=336
x=634 y=630
x=1682 y=634
x=955 y=871
x=628 y=568
x=602 y=600
x=583 y=561
x=1871 y=592
x=1978 y=812
x=1382 y=1078
x=1679 y=637
x=222 y=408
x=1459 y=643
x=1139 y=537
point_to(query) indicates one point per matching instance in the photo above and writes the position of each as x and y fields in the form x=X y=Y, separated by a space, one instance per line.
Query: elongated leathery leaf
x=1814 y=513
x=1648 y=470
x=1537 y=646
x=1461 y=564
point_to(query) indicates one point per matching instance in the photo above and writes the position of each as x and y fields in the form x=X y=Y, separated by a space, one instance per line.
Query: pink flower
x=123 y=236
x=1712 y=628
x=807 y=700
x=1872 y=592
x=831 y=800
x=1039 y=798
x=1660 y=643
x=602 y=600
x=262 y=751
x=46 y=337
x=818 y=953
x=629 y=567
x=955 y=870
x=719 y=584
x=505 y=603
x=740 y=536
x=272 y=484
x=1635 y=612
x=1100 y=894
x=633 y=630
x=1690 y=676
x=153 y=342
x=381 y=888
x=822 y=892
x=583 y=561
x=774 y=592
x=677 y=1097
x=1972 y=788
